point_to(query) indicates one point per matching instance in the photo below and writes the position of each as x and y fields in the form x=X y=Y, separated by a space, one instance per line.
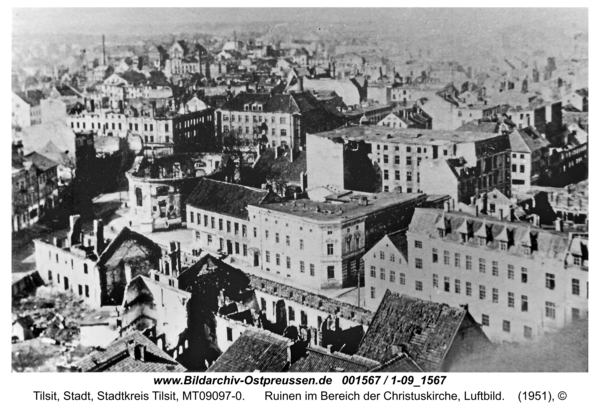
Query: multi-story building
x=412 y=117
x=159 y=187
x=518 y=280
x=367 y=113
x=184 y=131
x=26 y=109
x=320 y=245
x=413 y=160
x=185 y=59
x=217 y=212
x=34 y=187
x=529 y=151
x=568 y=161
x=97 y=270
x=275 y=119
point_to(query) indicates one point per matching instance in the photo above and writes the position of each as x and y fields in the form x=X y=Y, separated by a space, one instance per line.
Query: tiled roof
x=227 y=198
x=124 y=241
x=308 y=299
x=116 y=358
x=31 y=97
x=547 y=244
x=254 y=351
x=267 y=166
x=527 y=140
x=41 y=162
x=424 y=329
x=399 y=240
x=277 y=103
x=400 y=363
x=318 y=359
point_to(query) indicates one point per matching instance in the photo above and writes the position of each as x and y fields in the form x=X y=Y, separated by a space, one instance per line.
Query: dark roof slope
x=31 y=97
x=281 y=103
x=116 y=358
x=527 y=140
x=268 y=167
x=41 y=162
x=400 y=363
x=124 y=241
x=318 y=359
x=423 y=329
x=399 y=240
x=227 y=198
x=254 y=351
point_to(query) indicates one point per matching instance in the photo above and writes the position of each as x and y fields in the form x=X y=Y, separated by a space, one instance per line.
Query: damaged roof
x=269 y=167
x=423 y=329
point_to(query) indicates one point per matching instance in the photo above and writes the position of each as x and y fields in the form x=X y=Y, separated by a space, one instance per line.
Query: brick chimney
x=74 y=230
x=99 y=237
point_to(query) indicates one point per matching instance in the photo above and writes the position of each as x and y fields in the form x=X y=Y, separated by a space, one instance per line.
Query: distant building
x=407 y=118
x=529 y=152
x=26 y=110
x=578 y=100
x=434 y=335
x=276 y=120
x=34 y=187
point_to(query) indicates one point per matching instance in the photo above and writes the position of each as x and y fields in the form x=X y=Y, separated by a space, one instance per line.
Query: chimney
x=74 y=230
x=103 y=52
x=476 y=211
x=175 y=257
x=512 y=214
x=99 y=236
x=446 y=205
x=330 y=348
x=301 y=82
x=276 y=152
x=558 y=224
x=128 y=275
x=136 y=351
x=303 y=181
x=501 y=214
x=364 y=201
x=536 y=220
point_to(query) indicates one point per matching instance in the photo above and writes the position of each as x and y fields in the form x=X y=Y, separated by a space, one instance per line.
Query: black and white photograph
x=299 y=190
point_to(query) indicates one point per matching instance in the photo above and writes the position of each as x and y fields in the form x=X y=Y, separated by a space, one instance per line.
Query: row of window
x=392 y=277
x=235 y=246
x=302 y=266
x=224 y=225
x=255 y=119
x=82 y=290
x=85 y=266
x=255 y=130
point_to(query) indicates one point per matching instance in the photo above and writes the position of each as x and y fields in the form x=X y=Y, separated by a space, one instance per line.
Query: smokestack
x=99 y=236
x=103 y=52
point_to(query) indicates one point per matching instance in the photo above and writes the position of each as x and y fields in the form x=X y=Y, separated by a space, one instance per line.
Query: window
x=575 y=314
x=373 y=272
x=506 y=326
x=291 y=314
x=229 y=334
x=266 y=233
x=495 y=295
x=245 y=250
x=527 y=332
x=409 y=176
x=244 y=231
x=381 y=255
x=288 y=262
x=446 y=258
x=287 y=240
x=447 y=284
x=418 y=244
x=385 y=159
x=576 y=260
x=301 y=266
x=482 y=292
x=523 y=275
x=468 y=288
x=276 y=237
x=402 y=279
x=220 y=224
x=268 y=256
x=550 y=310
x=277 y=259
x=575 y=286
x=312 y=270
x=329 y=249
x=550 y=281
x=408 y=160
x=330 y=272
x=396 y=159
x=485 y=320
x=435 y=281
x=382 y=273
x=228 y=226
x=209 y=239
x=255 y=232
x=392 y=277
x=87 y=291
x=524 y=304
x=397 y=174
x=206 y=221
x=457 y=286
x=457 y=260
x=434 y=255
x=482 y=265
x=511 y=272
x=419 y=285
x=469 y=265
x=503 y=245
x=372 y=292
x=393 y=257
x=418 y=263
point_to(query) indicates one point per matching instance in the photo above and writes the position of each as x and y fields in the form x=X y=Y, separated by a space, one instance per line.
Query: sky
x=468 y=21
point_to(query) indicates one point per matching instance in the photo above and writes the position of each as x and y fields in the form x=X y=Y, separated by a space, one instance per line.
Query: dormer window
x=526 y=249
x=246 y=107
x=260 y=107
x=576 y=260
x=441 y=232
x=482 y=241
x=503 y=245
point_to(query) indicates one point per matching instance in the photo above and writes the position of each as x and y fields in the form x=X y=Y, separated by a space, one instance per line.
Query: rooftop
x=318 y=359
x=423 y=329
x=406 y=135
x=348 y=207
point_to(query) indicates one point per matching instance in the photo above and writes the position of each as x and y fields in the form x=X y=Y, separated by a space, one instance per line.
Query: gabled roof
x=124 y=241
x=527 y=140
x=31 y=97
x=318 y=359
x=254 y=351
x=156 y=288
x=227 y=198
x=116 y=358
x=276 y=103
x=400 y=242
x=39 y=161
x=268 y=167
x=424 y=329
